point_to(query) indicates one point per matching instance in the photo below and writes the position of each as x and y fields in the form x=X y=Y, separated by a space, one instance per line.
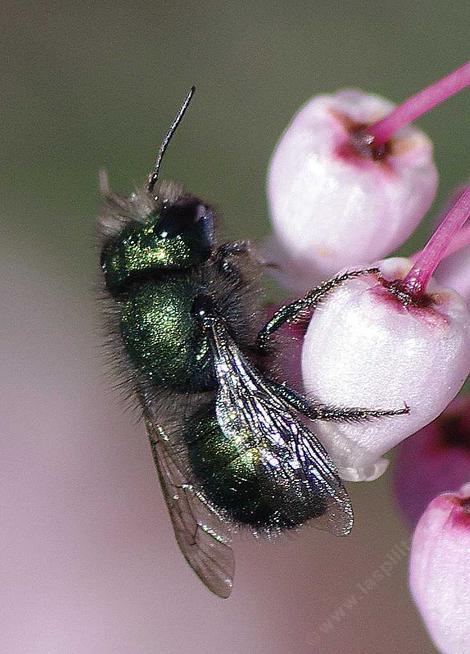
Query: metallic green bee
x=226 y=433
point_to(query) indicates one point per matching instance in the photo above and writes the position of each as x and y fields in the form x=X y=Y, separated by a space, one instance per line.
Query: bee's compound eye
x=184 y=216
x=203 y=308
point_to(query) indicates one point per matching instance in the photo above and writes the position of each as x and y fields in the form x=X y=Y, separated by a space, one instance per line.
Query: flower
x=388 y=341
x=440 y=570
x=364 y=348
x=334 y=203
x=434 y=460
x=349 y=180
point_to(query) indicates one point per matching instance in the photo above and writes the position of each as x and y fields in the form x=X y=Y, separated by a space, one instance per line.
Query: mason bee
x=228 y=436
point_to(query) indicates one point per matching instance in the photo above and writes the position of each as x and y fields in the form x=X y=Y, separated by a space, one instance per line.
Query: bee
x=228 y=436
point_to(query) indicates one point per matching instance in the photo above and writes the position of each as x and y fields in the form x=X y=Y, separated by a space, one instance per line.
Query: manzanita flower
x=350 y=180
x=440 y=570
x=385 y=341
x=434 y=460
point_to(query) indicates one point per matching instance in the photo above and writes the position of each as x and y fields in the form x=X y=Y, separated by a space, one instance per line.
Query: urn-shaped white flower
x=364 y=348
x=440 y=570
x=384 y=340
x=336 y=201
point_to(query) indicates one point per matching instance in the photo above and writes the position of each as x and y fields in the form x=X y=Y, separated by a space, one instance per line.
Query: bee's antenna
x=153 y=177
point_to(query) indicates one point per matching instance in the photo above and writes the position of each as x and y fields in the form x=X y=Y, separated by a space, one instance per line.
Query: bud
x=440 y=570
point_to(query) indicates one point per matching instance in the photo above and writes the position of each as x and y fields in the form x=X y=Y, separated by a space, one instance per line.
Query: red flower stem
x=383 y=130
x=428 y=259
x=459 y=241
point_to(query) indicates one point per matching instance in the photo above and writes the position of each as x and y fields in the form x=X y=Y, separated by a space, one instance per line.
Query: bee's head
x=160 y=228
x=176 y=233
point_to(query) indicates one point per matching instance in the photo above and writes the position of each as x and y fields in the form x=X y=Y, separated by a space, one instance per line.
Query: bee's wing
x=247 y=403
x=202 y=536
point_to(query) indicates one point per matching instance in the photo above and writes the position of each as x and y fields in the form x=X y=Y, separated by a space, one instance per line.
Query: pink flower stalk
x=426 y=262
x=454 y=270
x=459 y=241
x=435 y=460
x=334 y=201
x=382 y=342
x=440 y=570
x=419 y=104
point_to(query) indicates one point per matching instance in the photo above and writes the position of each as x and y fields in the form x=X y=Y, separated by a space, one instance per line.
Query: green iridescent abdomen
x=162 y=338
x=233 y=477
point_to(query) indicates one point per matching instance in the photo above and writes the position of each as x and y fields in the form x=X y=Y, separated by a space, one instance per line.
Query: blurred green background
x=87 y=84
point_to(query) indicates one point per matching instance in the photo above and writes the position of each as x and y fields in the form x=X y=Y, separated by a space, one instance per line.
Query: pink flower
x=384 y=342
x=440 y=570
x=434 y=460
x=350 y=180
x=331 y=205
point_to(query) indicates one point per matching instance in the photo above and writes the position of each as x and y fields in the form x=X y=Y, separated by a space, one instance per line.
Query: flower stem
x=459 y=241
x=434 y=251
x=383 y=130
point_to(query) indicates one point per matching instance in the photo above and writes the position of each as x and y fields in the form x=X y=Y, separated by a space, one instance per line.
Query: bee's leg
x=299 y=309
x=355 y=414
x=318 y=411
x=227 y=250
x=233 y=247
